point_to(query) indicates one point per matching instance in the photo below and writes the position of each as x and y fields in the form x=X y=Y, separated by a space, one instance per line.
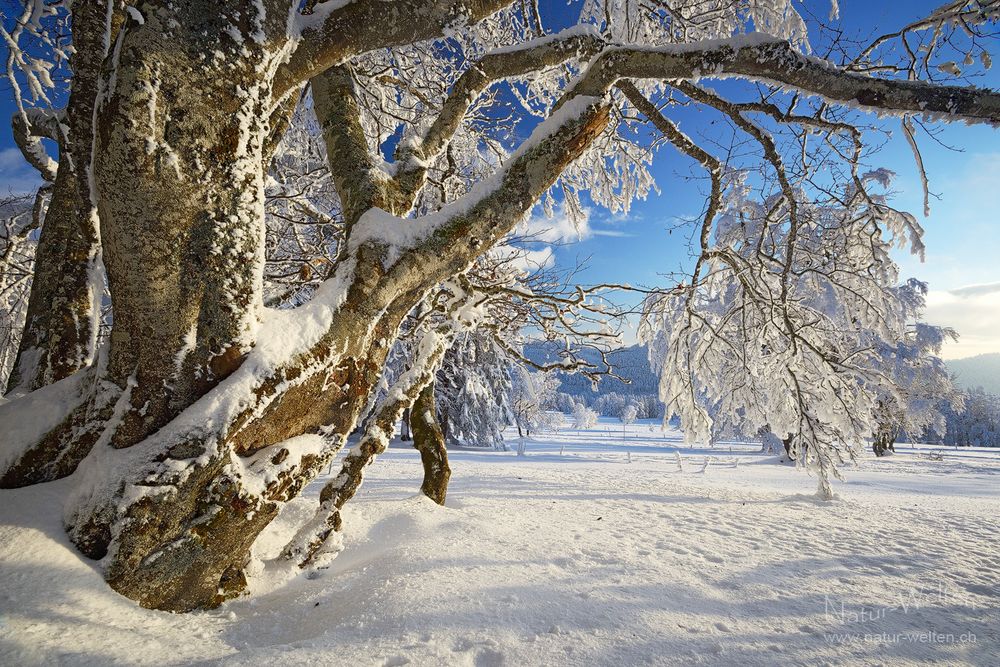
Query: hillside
x=631 y=362
x=628 y=362
x=982 y=370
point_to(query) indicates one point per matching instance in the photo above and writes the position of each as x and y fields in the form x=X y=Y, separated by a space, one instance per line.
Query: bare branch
x=919 y=160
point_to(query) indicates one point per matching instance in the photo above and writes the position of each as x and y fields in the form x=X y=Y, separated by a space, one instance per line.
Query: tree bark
x=404 y=429
x=428 y=439
x=63 y=315
x=311 y=539
x=884 y=442
x=178 y=174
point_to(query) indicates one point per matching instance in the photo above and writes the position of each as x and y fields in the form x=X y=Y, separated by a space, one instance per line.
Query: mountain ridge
x=632 y=362
x=981 y=370
x=629 y=362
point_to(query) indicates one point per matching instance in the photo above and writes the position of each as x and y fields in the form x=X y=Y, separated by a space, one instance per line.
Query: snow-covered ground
x=572 y=555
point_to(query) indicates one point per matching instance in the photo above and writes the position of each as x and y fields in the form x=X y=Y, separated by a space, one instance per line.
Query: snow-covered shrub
x=583 y=417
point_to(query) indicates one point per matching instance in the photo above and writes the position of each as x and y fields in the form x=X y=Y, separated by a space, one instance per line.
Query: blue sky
x=961 y=234
x=962 y=263
x=963 y=247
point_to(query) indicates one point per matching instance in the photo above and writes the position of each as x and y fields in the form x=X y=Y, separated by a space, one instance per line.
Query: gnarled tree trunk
x=60 y=330
x=428 y=439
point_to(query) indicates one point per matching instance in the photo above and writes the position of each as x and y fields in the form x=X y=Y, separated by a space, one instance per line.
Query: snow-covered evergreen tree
x=975 y=422
x=474 y=391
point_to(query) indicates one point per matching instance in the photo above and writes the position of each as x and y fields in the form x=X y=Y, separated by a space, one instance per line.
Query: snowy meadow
x=593 y=548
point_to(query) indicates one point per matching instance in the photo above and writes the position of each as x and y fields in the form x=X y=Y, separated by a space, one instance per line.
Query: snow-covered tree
x=611 y=404
x=20 y=219
x=207 y=411
x=474 y=391
x=583 y=417
x=918 y=382
x=531 y=391
x=628 y=414
x=974 y=422
x=565 y=403
x=789 y=309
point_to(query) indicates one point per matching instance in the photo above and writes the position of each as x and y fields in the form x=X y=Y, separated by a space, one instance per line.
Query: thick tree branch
x=763 y=58
x=311 y=538
x=29 y=129
x=334 y=32
x=359 y=180
x=503 y=64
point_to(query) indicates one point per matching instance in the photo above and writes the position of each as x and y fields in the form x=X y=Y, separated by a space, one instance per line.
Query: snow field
x=578 y=559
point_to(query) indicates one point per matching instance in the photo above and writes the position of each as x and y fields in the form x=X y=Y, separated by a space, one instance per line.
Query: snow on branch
x=29 y=128
x=759 y=57
x=336 y=31
x=311 y=540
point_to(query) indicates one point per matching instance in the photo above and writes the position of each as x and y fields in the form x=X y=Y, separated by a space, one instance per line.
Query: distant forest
x=976 y=424
x=629 y=362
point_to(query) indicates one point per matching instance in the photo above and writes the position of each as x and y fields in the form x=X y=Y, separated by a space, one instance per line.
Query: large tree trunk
x=178 y=174
x=60 y=330
x=428 y=439
x=211 y=415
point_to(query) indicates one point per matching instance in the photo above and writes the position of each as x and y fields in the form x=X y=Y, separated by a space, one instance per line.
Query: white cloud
x=530 y=261
x=973 y=311
x=612 y=233
x=560 y=228
x=975 y=290
x=527 y=261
